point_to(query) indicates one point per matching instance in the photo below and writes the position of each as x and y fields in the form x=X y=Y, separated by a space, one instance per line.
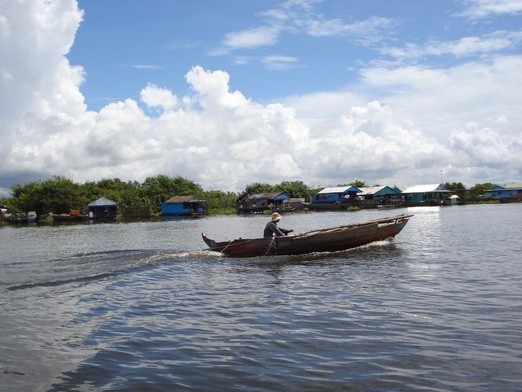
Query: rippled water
x=142 y=306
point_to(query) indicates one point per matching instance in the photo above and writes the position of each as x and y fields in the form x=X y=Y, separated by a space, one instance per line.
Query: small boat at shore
x=21 y=217
x=69 y=217
x=323 y=240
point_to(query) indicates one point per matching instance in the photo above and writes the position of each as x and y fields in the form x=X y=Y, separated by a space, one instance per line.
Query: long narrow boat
x=323 y=240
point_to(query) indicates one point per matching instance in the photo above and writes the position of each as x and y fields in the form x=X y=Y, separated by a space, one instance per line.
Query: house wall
x=326 y=197
x=385 y=194
x=250 y=203
x=253 y=204
x=103 y=212
x=182 y=208
x=501 y=193
x=174 y=209
x=319 y=198
x=427 y=197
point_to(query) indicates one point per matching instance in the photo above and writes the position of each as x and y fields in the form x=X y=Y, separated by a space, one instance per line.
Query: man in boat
x=272 y=229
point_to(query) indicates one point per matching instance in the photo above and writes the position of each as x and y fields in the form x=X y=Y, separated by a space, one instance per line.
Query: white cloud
x=253 y=38
x=477 y=9
x=464 y=120
x=364 y=31
x=443 y=100
x=279 y=63
x=463 y=47
x=156 y=97
x=141 y=66
x=301 y=18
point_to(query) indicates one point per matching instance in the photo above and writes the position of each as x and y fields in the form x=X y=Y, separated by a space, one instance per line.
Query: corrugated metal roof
x=182 y=199
x=101 y=202
x=424 y=188
x=339 y=189
x=370 y=190
x=268 y=195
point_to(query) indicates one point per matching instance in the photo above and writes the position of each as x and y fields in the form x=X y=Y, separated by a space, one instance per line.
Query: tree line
x=61 y=195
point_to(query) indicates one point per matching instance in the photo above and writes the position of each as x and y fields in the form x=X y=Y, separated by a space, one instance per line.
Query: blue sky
x=391 y=92
x=271 y=49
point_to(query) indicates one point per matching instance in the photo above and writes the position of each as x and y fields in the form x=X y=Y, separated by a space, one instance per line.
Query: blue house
x=102 y=208
x=183 y=206
x=428 y=195
x=259 y=202
x=381 y=194
x=334 y=195
x=512 y=190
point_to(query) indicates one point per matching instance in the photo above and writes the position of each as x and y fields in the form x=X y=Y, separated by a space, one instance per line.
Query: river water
x=143 y=307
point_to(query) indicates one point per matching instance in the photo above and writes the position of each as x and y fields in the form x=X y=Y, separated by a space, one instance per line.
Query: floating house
x=430 y=194
x=380 y=194
x=261 y=201
x=507 y=192
x=183 y=206
x=335 y=196
x=102 y=208
x=292 y=204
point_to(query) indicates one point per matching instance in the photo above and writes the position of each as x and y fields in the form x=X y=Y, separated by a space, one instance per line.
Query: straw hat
x=276 y=217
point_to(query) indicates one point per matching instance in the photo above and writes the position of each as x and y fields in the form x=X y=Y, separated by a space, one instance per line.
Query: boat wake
x=83 y=268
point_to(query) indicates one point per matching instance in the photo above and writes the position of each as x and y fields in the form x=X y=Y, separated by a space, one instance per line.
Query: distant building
x=183 y=205
x=381 y=194
x=430 y=194
x=102 y=208
x=259 y=202
x=452 y=200
x=335 y=195
x=512 y=190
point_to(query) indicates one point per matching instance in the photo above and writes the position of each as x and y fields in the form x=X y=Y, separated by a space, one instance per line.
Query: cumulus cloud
x=153 y=96
x=443 y=100
x=459 y=120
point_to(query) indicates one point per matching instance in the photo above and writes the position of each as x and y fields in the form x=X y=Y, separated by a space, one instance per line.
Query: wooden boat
x=323 y=240
x=69 y=217
x=21 y=217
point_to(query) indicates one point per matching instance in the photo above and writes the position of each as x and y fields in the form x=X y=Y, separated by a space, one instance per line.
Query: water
x=142 y=306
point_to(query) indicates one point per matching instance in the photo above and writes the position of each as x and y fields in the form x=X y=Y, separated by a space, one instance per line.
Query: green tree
x=358 y=183
x=124 y=193
x=218 y=200
x=454 y=186
x=295 y=189
x=259 y=187
x=478 y=189
x=91 y=191
x=57 y=195
x=156 y=190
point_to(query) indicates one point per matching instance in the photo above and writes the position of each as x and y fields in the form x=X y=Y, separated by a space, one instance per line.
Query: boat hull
x=325 y=240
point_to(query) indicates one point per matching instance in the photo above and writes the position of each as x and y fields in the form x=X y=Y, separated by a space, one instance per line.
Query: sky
x=228 y=93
